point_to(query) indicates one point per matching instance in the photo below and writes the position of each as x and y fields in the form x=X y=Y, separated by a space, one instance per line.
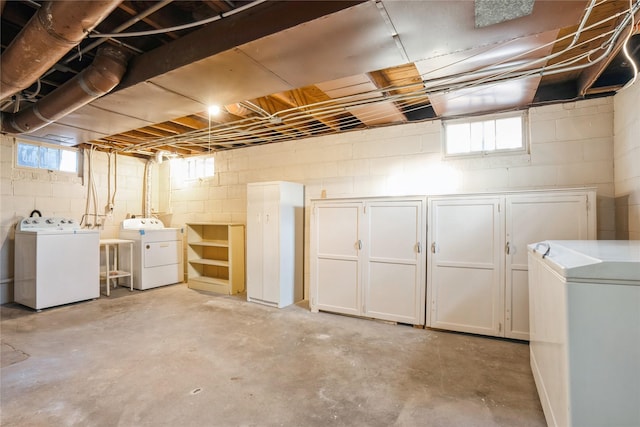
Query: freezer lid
x=592 y=260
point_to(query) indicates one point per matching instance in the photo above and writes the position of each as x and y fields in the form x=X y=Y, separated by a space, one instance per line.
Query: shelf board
x=204 y=261
x=114 y=274
x=212 y=284
x=211 y=243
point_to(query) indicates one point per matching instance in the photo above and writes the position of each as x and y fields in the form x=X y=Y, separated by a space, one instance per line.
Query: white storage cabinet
x=367 y=257
x=477 y=261
x=275 y=216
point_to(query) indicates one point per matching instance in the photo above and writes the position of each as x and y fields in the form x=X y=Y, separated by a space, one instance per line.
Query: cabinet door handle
x=433 y=247
x=359 y=244
x=507 y=248
x=419 y=247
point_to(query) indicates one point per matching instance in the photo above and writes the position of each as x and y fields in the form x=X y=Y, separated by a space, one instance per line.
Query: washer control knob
x=70 y=221
x=35 y=221
x=143 y=221
x=49 y=221
x=27 y=221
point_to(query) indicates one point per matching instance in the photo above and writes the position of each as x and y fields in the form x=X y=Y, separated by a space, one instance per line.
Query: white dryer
x=157 y=252
x=56 y=262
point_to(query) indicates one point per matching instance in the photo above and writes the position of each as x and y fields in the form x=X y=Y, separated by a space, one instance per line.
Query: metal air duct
x=104 y=73
x=55 y=29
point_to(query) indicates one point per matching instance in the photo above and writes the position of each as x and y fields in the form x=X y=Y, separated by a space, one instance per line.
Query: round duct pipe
x=104 y=73
x=55 y=29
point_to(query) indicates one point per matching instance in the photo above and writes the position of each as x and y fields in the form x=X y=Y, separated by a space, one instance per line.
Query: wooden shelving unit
x=215 y=256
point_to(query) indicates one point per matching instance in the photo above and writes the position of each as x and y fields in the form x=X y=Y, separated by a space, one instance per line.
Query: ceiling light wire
x=180 y=27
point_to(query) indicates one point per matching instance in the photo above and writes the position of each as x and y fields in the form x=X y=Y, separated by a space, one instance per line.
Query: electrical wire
x=180 y=27
x=320 y=118
x=627 y=55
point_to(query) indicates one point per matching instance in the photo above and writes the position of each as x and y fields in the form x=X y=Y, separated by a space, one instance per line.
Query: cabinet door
x=393 y=262
x=531 y=219
x=255 y=251
x=466 y=265
x=271 y=244
x=335 y=257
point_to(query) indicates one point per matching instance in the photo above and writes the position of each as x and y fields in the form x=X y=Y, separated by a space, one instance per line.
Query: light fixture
x=213 y=110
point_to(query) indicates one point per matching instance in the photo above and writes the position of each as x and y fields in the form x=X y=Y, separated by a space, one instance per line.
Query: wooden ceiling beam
x=194 y=122
x=299 y=101
x=158 y=15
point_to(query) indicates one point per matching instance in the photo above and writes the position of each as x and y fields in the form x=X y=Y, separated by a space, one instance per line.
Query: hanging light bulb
x=214 y=110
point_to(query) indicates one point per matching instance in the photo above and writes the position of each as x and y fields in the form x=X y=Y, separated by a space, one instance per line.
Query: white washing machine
x=157 y=252
x=56 y=262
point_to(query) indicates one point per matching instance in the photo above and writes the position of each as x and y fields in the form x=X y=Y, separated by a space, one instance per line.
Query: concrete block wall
x=626 y=153
x=571 y=146
x=59 y=194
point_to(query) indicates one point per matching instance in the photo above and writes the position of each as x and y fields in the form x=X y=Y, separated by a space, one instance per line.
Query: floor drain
x=196 y=390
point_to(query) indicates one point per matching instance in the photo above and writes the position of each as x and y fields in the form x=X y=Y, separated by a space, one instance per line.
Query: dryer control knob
x=49 y=221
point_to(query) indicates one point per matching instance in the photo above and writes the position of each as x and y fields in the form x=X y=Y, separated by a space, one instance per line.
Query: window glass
x=499 y=133
x=34 y=155
x=49 y=158
x=197 y=167
x=28 y=155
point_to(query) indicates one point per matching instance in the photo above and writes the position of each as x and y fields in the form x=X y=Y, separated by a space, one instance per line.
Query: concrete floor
x=176 y=357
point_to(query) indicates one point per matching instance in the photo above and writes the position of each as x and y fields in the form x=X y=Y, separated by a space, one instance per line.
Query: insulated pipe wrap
x=104 y=73
x=55 y=29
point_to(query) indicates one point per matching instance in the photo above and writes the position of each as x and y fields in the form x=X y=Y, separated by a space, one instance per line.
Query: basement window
x=502 y=133
x=46 y=156
x=192 y=168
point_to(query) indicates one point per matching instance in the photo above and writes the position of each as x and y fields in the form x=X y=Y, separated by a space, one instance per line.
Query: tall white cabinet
x=367 y=257
x=477 y=260
x=275 y=215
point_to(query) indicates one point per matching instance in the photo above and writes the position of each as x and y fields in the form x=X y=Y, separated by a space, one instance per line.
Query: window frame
x=43 y=145
x=523 y=149
x=182 y=164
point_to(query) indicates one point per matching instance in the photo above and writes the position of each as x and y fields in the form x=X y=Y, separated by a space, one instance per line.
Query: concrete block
x=369 y=186
x=49 y=205
x=431 y=142
x=597 y=149
x=195 y=206
x=485 y=180
x=586 y=173
x=32 y=188
x=22 y=205
x=353 y=167
x=533 y=177
x=322 y=170
x=6 y=187
x=237 y=191
x=584 y=127
x=228 y=178
x=543 y=131
x=218 y=192
x=387 y=166
x=337 y=187
x=556 y=153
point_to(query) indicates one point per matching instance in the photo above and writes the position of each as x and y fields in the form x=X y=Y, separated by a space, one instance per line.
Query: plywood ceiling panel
x=346 y=43
x=226 y=78
x=485 y=98
x=160 y=104
x=434 y=28
x=517 y=53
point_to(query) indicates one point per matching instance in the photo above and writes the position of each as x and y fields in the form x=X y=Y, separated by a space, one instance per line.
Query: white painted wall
x=57 y=194
x=626 y=152
x=571 y=146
